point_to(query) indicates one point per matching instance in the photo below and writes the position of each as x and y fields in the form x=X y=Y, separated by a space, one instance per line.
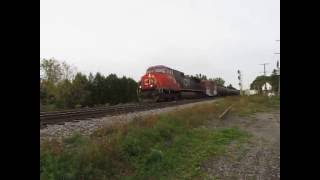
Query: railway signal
x=240 y=81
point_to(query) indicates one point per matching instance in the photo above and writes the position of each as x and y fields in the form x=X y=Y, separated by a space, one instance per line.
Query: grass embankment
x=248 y=105
x=167 y=146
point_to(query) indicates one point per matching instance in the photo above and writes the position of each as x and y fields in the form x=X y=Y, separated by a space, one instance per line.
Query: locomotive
x=161 y=83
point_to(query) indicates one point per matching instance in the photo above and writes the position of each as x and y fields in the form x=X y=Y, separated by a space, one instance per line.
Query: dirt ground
x=259 y=159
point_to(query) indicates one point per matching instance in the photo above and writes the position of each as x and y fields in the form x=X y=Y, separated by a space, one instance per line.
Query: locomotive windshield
x=160 y=70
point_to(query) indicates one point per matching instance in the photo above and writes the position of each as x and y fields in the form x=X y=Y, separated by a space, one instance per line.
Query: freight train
x=161 y=83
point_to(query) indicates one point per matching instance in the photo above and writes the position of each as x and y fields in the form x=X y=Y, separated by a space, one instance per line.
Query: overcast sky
x=211 y=37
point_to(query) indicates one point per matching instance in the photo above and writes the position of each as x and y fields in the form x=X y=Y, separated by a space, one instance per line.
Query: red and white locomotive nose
x=148 y=81
x=158 y=84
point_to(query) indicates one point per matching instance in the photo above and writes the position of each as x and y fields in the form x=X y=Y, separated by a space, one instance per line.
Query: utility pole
x=278 y=66
x=265 y=74
x=240 y=82
x=264 y=68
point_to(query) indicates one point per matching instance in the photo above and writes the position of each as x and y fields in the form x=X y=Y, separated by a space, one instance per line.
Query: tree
x=231 y=87
x=80 y=90
x=219 y=81
x=98 y=89
x=201 y=76
x=90 y=87
x=132 y=90
x=112 y=89
x=60 y=88
x=67 y=71
x=48 y=90
x=64 y=98
x=55 y=83
x=129 y=87
x=259 y=82
x=274 y=81
x=50 y=70
x=43 y=94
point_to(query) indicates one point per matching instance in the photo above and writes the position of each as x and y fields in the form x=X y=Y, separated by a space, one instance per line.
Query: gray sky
x=211 y=37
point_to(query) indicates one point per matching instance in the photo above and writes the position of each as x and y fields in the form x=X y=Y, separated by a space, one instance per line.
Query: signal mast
x=240 y=81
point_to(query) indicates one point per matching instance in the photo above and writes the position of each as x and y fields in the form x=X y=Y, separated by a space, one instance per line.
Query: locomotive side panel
x=179 y=76
x=191 y=84
x=195 y=84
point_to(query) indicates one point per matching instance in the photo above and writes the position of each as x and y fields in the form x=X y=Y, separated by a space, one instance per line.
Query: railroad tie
x=225 y=112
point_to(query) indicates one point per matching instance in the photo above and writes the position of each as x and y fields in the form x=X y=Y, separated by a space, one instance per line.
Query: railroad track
x=60 y=117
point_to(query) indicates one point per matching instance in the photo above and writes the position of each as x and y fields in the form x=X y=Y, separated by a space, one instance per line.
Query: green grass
x=248 y=105
x=161 y=156
x=167 y=146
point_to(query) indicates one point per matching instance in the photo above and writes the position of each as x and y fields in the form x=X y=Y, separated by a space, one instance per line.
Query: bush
x=154 y=156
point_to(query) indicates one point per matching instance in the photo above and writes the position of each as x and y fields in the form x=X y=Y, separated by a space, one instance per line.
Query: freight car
x=223 y=91
x=163 y=83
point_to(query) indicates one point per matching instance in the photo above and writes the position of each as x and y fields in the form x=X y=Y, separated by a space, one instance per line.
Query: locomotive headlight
x=151 y=85
x=140 y=86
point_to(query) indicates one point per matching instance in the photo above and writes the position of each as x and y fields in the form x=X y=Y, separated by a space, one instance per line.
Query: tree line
x=61 y=87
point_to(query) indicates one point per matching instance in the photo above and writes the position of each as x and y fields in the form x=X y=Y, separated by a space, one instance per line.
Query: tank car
x=223 y=91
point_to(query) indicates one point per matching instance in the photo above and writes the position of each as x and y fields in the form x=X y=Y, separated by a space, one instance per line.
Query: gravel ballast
x=88 y=126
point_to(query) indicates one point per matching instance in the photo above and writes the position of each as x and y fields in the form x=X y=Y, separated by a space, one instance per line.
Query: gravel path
x=86 y=127
x=259 y=159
